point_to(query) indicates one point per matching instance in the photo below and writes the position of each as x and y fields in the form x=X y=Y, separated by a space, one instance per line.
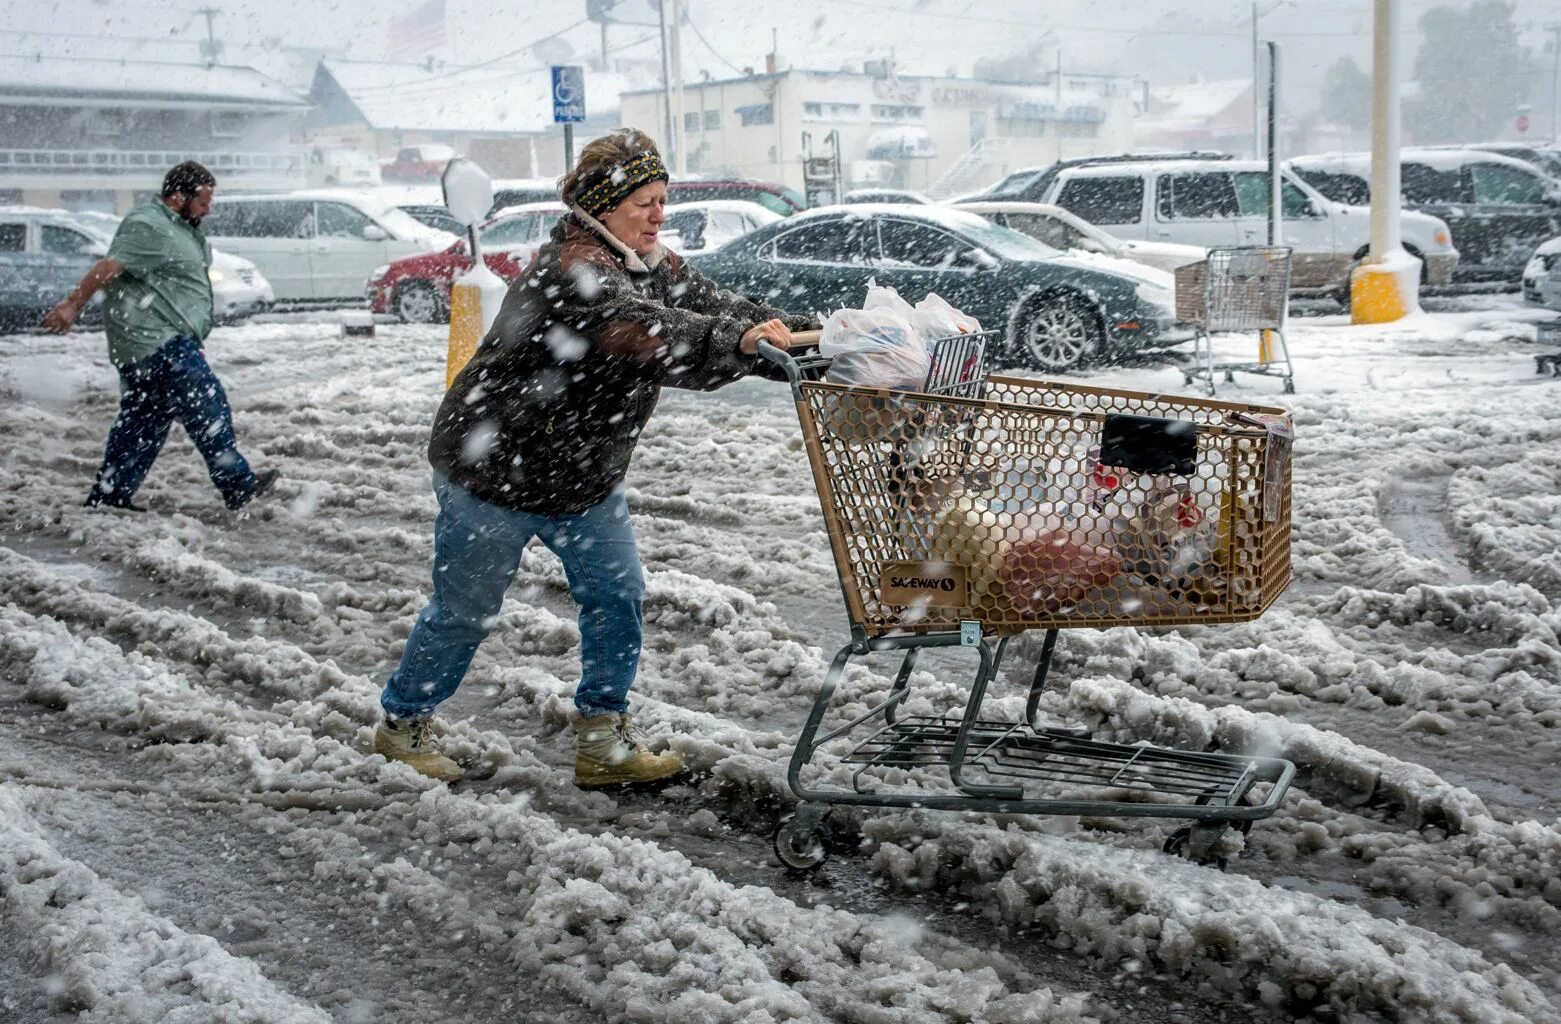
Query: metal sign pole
x=569 y=147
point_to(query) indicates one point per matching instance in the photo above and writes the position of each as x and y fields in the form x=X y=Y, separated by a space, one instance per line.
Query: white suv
x=320 y=244
x=1225 y=203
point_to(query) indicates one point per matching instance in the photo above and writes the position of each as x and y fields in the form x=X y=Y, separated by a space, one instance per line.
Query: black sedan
x=1057 y=312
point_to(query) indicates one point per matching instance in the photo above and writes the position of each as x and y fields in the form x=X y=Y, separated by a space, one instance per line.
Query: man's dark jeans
x=172 y=383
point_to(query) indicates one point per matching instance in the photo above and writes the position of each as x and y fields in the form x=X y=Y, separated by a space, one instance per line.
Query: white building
x=88 y=133
x=940 y=135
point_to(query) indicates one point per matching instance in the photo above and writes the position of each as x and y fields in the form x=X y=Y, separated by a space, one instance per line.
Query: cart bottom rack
x=1010 y=767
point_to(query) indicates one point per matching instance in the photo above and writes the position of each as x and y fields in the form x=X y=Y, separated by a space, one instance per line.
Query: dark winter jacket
x=546 y=415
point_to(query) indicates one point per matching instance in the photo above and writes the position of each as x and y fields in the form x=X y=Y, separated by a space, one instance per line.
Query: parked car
x=317 y=245
x=778 y=198
x=885 y=195
x=1542 y=276
x=417 y=163
x=1498 y=209
x=341 y=166
x=1056 y=312
x=1031 y=184
x=1062 y=230
x=1546 y=158
x=44 y=253
x=712 y=223
x=1225 y=203
x=520 y=191
x=416 y=289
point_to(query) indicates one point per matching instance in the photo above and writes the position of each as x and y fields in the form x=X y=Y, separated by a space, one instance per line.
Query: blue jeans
x=477 y=548
x=172 y=383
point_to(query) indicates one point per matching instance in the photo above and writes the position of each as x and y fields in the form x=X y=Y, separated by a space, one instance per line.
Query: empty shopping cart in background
x=1236 y=290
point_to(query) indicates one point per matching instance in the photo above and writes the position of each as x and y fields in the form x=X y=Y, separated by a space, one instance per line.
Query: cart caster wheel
x=804 y=852
x=1186 y=380
x=1289 y=386
x=1230 y=378
x=1177 y=843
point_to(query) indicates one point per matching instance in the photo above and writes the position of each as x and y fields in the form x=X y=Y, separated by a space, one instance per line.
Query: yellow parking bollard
x=475 y=298
x=1381 y=293
x=465 y=328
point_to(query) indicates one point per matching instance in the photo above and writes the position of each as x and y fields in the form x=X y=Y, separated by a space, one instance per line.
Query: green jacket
x=164 y=292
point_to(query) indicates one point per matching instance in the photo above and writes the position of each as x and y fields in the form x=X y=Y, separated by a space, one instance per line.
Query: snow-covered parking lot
x=191 y=830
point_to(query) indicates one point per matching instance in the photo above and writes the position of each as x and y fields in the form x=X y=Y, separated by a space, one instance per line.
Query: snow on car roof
x=1161 y=167
x=941 y=215
x=1438 y=159
x=730 y=205
x=518 y=209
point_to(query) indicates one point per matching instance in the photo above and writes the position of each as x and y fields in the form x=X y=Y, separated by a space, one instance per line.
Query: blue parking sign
x=568 y=93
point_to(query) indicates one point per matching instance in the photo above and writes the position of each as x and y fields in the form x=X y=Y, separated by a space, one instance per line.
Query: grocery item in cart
x=875 y=348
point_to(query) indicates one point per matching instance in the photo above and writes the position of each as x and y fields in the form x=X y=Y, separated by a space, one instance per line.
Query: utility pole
x=1554 y=28
x=680 y=126
x=666 y=79
x=1257 y=116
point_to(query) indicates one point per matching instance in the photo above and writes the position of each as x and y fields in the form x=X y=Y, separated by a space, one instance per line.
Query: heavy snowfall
x=191 y=828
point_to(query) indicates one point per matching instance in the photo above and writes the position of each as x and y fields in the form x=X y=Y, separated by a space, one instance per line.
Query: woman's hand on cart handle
x=773 y=331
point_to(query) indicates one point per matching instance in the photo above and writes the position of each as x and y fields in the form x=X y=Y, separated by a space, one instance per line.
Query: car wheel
x=416 y=302
x=1059 y=331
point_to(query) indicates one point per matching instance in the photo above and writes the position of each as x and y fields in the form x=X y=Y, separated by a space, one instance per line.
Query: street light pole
x=1386 y=286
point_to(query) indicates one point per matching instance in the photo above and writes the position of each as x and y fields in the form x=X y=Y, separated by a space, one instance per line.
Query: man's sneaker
x=610 y=751
x=263 y=481
x=96 y=500
x=407 y=740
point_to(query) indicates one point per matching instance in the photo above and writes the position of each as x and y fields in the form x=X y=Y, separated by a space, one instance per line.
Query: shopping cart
x=1237 y=289
x=986 y=506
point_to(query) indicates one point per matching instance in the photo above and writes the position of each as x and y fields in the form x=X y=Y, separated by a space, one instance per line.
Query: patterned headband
x=607 y=188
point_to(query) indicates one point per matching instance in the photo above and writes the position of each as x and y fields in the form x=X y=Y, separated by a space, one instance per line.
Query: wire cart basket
x=1237 y=289
x=986 y=506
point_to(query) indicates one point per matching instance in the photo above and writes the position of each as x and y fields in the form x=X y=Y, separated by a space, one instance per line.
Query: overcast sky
x=1165 y=41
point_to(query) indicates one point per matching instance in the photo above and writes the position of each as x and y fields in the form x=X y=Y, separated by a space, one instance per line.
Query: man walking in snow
x=158 y=311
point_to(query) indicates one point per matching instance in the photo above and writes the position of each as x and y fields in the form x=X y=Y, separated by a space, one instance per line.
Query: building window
x=691 y=122
x=1021 y=127
x=712 y=120
x=105 y=123
x=832 y=111
x=894 y=112
x=226 y=124
x=757 y=114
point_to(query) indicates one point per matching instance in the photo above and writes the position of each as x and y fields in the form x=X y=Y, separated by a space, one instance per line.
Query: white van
x=1225 y=202
x=317 y=245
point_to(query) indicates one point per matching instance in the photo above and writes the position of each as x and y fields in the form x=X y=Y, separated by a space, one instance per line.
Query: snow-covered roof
x=127 y=81
x=490 y=99
x=1192 y=105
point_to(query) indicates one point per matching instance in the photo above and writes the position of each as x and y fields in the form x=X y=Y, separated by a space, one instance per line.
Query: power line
x=712 y=49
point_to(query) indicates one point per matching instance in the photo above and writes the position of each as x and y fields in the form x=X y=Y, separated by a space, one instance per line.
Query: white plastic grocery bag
x=875 y=348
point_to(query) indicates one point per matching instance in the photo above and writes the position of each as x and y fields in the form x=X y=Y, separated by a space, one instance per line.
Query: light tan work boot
x=407 y=740
x=610 y=751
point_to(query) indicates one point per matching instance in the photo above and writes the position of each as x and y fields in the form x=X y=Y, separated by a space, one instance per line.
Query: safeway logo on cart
x=938 y=584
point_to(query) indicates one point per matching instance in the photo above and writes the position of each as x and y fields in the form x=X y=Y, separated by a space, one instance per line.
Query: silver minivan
x=1225 y=203
x=318 y=245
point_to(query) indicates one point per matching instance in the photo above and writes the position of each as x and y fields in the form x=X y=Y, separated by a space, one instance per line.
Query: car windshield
x=400 y=223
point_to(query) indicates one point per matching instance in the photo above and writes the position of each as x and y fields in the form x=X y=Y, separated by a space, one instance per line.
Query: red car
x=417 y=288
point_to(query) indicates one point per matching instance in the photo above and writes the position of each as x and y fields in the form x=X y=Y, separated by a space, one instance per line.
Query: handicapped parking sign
x=568 y=93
